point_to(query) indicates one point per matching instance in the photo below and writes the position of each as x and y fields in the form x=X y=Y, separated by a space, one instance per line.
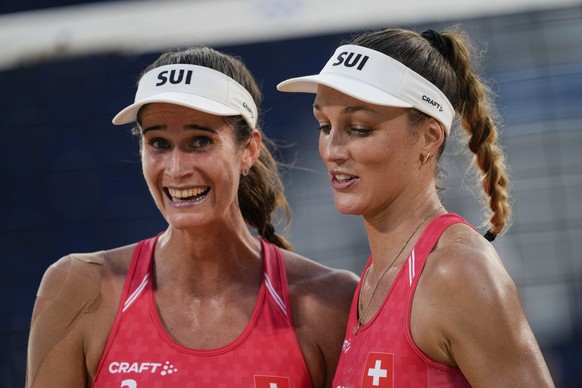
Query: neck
x=208 y=260
x=387 y=234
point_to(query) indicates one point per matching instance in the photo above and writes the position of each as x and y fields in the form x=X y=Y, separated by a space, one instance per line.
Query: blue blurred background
x=74 y=184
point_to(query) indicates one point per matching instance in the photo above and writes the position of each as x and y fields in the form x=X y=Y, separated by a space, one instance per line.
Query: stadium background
x=72 y=181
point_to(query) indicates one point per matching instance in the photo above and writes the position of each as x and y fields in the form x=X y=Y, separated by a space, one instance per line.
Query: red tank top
x=382 y=353
x=139 y=353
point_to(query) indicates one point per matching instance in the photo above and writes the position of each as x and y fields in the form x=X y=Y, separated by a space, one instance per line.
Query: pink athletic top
x=382 y=353
x=139 y=353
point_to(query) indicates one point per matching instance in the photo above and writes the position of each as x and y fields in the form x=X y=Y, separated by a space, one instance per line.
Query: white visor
x=373 y=77
x=195 y=87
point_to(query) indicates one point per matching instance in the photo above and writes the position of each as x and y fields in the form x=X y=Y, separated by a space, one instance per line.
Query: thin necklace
x=361 y=317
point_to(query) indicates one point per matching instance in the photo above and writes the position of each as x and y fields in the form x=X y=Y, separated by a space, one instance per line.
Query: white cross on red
x=377 y=372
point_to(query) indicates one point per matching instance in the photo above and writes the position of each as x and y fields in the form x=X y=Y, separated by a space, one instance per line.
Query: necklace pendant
x=356 y=328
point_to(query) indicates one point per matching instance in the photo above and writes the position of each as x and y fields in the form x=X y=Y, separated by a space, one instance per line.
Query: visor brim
x=203 y=104
x=349 y=86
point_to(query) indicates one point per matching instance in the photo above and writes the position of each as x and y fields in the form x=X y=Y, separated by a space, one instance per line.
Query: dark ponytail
x=260 y=194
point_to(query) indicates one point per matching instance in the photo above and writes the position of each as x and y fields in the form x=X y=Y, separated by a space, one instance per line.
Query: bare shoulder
x=463 y=292
x=79 y=282
x=73 y=312
x=467 y=313
x=307 y=278
x=463 y=260
x=465 y=276
x=319 y=294
x=83 y=273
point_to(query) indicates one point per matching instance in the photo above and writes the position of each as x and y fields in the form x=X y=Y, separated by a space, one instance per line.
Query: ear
x=433 y=136
x=252 y=150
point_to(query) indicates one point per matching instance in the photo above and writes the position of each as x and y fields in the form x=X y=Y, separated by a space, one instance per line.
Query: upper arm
x=56 y=355
x=333 y=311
x=479 y=320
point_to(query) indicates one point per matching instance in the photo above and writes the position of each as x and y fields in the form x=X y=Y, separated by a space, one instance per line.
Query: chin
x=347 y=208
x=184 y=222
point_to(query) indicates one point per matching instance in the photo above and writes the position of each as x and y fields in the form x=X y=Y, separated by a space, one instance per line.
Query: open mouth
x=186 y=195
x=343 y=178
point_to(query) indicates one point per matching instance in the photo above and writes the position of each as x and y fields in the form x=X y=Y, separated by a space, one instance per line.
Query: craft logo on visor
x=350 y=59
x=249 y=109
x=174 y=77
x=432 y=102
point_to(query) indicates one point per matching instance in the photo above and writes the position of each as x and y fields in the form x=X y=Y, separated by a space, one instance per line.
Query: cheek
x=146 y=163
x=149 y=167
x=147 y=177
x=373 y=151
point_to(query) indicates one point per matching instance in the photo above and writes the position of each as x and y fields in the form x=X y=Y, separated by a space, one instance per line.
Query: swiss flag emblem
x=379 y=371
x=271 y=382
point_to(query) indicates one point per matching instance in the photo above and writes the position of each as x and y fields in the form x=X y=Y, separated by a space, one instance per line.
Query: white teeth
x=188 y=193
x=343 y=178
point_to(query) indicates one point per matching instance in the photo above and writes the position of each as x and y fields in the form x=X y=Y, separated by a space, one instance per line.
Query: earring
x=245 y=171
x=425 y=158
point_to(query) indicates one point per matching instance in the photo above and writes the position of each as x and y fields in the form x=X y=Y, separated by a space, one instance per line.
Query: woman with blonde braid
x=206 y=303
x=435 y=306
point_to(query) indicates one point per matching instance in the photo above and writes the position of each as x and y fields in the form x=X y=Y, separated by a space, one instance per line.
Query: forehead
x=329 y=96
x=331 y=100
x=176 y=113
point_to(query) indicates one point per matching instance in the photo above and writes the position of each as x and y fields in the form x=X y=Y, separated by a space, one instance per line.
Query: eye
x=202 y=141
x=324 y=127
x=361 y=132
x=159 y=143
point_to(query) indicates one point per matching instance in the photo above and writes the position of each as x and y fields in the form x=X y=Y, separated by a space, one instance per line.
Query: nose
x=332 y=146
x=179 y=164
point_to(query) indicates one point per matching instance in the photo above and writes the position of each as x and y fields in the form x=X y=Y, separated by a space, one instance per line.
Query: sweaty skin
x=79 y=296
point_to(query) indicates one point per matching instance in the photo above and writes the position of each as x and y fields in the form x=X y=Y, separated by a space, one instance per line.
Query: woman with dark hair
x=435 y=306
x=207 y=302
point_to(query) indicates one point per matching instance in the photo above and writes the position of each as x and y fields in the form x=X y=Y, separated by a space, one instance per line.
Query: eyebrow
x=347 y=109
x=194 y=127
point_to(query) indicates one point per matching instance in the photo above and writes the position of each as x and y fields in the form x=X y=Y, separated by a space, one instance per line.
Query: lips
x=342 y=181
x=189 y=195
